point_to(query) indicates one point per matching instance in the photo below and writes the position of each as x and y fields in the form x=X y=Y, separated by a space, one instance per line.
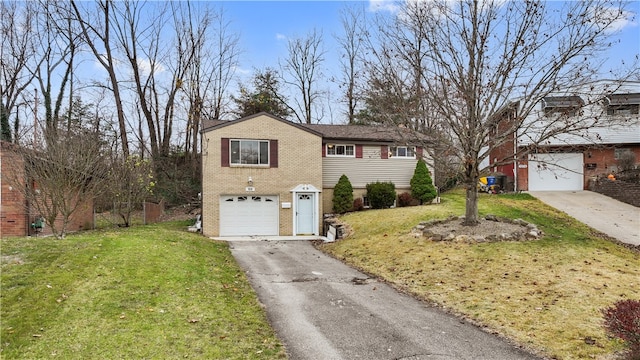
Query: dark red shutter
x=359 y=151
x=224 y=152
x=384 y=152
x=273 y=153
x=324 y=150
x=419 y=152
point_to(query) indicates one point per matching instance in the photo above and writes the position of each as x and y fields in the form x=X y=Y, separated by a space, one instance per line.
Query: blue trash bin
x=491 y=180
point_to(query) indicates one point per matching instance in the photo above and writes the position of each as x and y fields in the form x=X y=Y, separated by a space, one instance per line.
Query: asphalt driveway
x=607 y=215
x=323 y=309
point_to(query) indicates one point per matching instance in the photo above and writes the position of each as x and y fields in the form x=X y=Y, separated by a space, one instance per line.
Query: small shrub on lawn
x=404 y=199
x=381 y=194
x=622 y=320
x=421 y=184
x=358 y=204
x=342 y=195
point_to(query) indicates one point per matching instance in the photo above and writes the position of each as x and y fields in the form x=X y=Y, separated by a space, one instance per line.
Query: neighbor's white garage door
x=242 y=215
x=556 y=172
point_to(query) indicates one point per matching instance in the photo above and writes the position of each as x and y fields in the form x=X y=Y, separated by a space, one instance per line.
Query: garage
x=556 y=172
x=242 y=215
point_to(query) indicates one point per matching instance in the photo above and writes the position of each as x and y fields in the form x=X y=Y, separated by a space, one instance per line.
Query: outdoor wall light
x=250 y=181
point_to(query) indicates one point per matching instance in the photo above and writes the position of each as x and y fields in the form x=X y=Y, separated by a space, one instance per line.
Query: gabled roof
x=209 y=125
x=366 y=133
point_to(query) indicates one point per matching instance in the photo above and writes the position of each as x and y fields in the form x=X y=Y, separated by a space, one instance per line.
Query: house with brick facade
x=263 y=175
x=606 y=116
x=18 y=216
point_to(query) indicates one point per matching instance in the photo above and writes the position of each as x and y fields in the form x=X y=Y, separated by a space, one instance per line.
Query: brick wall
x=13 y=212
x=16 y=215
x=620 y=190
x=299 y=162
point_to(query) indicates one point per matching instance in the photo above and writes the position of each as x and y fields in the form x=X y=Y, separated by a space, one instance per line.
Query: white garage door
x=556 y=172
x=242 y=215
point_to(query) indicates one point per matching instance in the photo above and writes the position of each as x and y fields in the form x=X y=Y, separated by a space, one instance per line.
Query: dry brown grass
x=545 y=295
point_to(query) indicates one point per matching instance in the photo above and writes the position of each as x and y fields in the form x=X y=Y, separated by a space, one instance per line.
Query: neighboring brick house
x=263 y=175
x=568 y=161
x=14 y=220
x=16 y=213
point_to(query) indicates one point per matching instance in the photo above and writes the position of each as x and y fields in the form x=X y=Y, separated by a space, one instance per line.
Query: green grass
x=153 y=292
x=545 y=295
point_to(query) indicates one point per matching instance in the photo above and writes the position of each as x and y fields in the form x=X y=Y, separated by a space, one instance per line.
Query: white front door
x=305 y=213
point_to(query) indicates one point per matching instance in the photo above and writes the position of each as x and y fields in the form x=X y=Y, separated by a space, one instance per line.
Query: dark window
x=562 y=105
x=623 y=104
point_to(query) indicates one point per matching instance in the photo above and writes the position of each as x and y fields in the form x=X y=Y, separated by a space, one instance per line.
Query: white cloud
x=242 y=71
x=145 y=67
x=384 y=5
x=620 y=20
x=280 y=37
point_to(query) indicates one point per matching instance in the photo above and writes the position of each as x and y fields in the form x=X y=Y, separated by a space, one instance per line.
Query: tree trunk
x=471 y=206
x=472 y=176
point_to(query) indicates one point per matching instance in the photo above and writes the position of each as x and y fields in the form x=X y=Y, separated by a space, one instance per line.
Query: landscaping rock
x=491 y=218
x=491 y=228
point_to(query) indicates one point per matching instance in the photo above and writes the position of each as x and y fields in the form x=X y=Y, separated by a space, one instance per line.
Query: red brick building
x=567 y=161
x=16 y=214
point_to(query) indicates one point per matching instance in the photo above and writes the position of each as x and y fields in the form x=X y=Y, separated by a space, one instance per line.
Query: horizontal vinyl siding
x=367 y=170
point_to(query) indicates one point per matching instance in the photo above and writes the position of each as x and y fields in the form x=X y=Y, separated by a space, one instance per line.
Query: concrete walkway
x=323 y=309
x=607 y=215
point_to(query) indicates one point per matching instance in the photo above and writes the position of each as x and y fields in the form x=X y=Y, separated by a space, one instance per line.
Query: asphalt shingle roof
x=366 y=133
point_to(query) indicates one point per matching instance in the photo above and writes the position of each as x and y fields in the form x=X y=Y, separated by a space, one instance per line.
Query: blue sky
x=264 y=27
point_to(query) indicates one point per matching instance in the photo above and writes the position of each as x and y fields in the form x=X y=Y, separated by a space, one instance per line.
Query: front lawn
x=154 y=292
x=545 y=295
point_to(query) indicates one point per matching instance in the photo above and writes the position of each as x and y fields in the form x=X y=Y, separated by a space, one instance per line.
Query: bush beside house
x=422 y=187
x=381 y=195
x=343 y=195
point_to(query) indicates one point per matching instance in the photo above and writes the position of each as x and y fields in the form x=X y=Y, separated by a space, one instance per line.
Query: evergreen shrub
x=422 y=185
x=342 y=195
x=381 y=194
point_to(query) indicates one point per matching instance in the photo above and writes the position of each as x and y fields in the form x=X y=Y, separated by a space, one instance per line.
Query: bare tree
x=59 y=44
x=130 y=183
x=210 y=73
x=18 y=55
x=352 y=44
x=480 y=55
x=396 y=79
x=304 y=69
x=95 y=23
x=62 y=179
